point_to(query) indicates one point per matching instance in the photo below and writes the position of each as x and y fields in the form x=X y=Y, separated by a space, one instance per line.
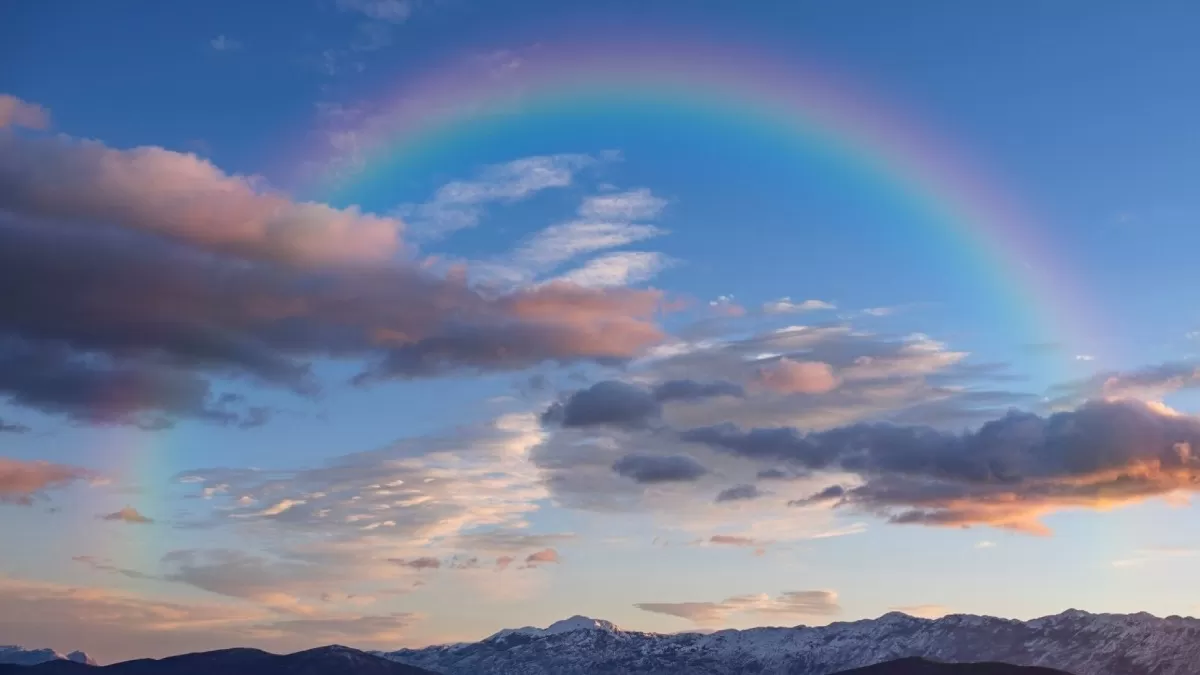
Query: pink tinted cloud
x=21 y=481
x=787 y=376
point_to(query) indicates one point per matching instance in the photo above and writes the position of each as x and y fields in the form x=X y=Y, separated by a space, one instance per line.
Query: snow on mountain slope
x=29 y=657
x=1074 y=641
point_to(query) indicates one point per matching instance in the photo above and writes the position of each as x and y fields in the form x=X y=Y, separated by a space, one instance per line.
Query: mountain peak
x=579 y=622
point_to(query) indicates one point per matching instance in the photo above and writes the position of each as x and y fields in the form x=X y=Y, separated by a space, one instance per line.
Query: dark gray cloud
x=12 y=428
x=691 y=390
x=610 y=403
x=831 y=493
x=659 y=468
x=776 y=474
x=1007 y=473
x=740 y=493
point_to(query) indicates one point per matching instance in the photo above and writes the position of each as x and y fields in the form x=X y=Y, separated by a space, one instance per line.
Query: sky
x=398 y=322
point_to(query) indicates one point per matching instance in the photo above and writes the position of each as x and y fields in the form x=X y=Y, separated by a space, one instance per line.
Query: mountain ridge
x=1075 y=641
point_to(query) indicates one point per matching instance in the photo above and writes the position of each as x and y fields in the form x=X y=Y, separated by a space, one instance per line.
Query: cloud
x=141 y=274
x=617 y=269
x=559 y=243
x=785 y=305
x=114 y=626
x=740 y=493
x=629 y=206
x=785 y=605
x=1147 y=556
x=832 y=493
x=503 y=562
x=21 y=482
x=17 y=113
x=459 y=204
x=467 y=490
x=621 y=404
x=786 y=376
x=225 y=44
x=183 y=198
x=985 y=544
x=649 y=469
x=106 y=565
x=425 y=563
x=391 y=11
x=923 y=611
x=691 y=390
x=128 y=514
x=547 y=555
x=12 y=428
x=1148 y=383
x=732 y=540
x=610 y=402
x=1007 y=474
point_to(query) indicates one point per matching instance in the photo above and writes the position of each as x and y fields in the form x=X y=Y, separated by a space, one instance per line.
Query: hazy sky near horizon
x=398 y=322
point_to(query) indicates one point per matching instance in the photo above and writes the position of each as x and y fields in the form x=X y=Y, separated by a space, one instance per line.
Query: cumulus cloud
x=658 y=468
x=691 y=390
x=786 y=305
x=1007 y=474
x=142 y=274
x=610 y=402
x=797 y=377
x=1148 y=383
x=790 y=604
x=184 y=198
x=21 y=482
x=547 y=555
x=17 y=113
x=128 y=514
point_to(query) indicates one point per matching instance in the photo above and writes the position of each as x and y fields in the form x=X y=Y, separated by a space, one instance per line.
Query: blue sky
x=612 y=361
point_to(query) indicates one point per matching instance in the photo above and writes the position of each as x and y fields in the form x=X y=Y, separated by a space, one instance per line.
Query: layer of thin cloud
x=460 y=204
x=617 y=269
x=790 y=604
x=21 y=482
x=628 y=206
x=115 y=626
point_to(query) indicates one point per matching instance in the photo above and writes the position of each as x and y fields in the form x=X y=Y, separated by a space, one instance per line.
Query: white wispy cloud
x=222 y=43
x=786 y=305
x=460 y=204
x=617 y=269
x=632 y=205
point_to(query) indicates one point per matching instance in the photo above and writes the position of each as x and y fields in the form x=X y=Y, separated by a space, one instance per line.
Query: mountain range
x=1074 y=641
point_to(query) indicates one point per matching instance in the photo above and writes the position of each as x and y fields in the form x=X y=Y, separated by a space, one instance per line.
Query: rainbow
x=474 y=100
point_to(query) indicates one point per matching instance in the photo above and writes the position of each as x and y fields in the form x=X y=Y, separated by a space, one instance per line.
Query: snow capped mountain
x=1074 y=641
x=29 y=657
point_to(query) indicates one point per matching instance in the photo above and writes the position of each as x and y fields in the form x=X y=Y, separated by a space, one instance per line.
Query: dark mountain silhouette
x=332 y=660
